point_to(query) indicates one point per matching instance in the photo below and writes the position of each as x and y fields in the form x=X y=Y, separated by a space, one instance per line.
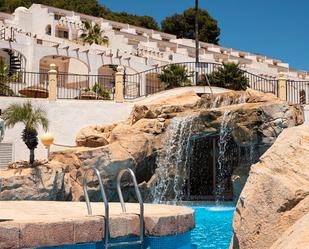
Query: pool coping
x=39 y=224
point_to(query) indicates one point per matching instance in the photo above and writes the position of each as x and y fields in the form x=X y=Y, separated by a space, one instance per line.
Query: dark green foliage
x=31 y=118
x=183 y=26
x=174 y=76
x=89 y=7
x=5 y=79
x=229 y=76
x=102 y=92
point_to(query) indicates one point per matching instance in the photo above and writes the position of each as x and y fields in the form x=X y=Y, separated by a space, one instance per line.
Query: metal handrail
x=106 y=207
x=139 y=197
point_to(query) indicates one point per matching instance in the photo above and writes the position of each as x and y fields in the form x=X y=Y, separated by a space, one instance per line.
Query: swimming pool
x=213 y=231
x=213 y=226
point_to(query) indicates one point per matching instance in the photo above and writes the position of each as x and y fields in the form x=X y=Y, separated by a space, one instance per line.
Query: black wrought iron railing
x=150 y=81
x=84 y=86
x=263 y=84
x=24 y=84
x=297 y=92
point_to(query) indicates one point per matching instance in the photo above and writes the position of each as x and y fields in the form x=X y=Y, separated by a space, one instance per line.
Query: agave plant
x=5 y=79
x=174 y=76
x=93 y=34
x=32 y=118
x=229 y=76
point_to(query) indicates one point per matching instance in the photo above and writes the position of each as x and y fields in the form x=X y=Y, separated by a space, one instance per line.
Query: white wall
x=66 y=117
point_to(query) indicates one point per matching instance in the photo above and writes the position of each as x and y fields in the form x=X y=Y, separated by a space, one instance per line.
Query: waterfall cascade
x=225 y=136
x=172 y=161
x=187 y=154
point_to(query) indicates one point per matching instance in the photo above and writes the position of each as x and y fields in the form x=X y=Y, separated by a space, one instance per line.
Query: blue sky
x=275 y=28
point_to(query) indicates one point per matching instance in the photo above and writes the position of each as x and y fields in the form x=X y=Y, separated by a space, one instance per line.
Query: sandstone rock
x=275 y=200
x=94 y=136
x=46 y=182
x=296 y=237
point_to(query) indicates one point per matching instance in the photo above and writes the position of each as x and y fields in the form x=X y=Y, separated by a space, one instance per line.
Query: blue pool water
x=213 y=231
x=213 y=226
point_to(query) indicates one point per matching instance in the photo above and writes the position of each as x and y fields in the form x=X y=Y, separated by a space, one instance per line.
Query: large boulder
x=274 y=204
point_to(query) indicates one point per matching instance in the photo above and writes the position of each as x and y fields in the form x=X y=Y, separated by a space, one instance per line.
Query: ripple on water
x=213 y=226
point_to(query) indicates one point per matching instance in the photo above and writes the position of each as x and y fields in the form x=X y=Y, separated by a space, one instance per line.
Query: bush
x=5 y=79
x=174 y=76
x=100 y=91
x=229 y=76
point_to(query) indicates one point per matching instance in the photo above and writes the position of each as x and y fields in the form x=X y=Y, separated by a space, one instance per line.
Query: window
x=116 y=28
x=48 y=30
x=62 y=33
x=57 y=16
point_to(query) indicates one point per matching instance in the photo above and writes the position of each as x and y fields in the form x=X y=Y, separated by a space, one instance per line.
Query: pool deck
x=26 y=224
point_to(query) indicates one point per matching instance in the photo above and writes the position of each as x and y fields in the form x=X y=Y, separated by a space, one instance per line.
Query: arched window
x=48 y=29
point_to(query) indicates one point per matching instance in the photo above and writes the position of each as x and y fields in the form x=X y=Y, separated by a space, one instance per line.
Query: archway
x=72 y=75
x=106 y=77
x=14 y=60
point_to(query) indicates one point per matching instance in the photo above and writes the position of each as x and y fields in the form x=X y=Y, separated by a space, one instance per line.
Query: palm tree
x=93 y=34
x=229 y=76
x=32 y=118
x=5 y=79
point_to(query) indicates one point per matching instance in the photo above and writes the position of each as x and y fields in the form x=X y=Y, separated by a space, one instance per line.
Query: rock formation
x=273 y=209
x=257 y=121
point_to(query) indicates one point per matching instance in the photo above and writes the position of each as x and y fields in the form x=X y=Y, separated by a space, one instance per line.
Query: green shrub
x=229 y=76
x=174 y=76
x=5 y=79
x=101 y=91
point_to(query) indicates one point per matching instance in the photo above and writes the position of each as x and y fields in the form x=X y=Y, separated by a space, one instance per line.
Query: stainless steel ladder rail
x=106 y=206
x=141 y=204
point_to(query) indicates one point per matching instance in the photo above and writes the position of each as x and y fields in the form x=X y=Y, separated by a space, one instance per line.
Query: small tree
x=183 y=26
x=93 y=34
x=174 y=76
x=5 y=79
x=229 y=76
x=32 y=118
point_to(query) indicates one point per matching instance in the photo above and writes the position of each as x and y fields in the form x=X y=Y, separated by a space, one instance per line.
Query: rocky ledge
x=257 y=121
x=273 y=209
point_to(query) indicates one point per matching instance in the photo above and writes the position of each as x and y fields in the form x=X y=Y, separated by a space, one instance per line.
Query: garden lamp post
x=47 y=140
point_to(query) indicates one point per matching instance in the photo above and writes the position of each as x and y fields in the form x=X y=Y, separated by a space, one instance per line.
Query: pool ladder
x=107 y=243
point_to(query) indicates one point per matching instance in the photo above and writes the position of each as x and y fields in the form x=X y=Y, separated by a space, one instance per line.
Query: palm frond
x=25 y=113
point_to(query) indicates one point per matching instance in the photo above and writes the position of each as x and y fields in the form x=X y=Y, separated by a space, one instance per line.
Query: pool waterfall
x=197 y=165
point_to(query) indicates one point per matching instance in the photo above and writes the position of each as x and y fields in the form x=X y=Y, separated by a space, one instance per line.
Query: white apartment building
x=42 y=35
